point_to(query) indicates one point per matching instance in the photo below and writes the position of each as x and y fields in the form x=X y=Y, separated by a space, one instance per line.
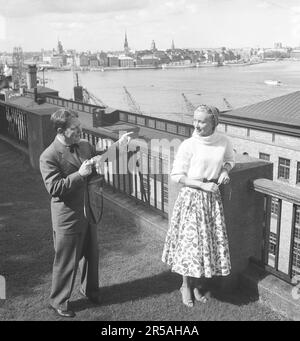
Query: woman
x=196 y=244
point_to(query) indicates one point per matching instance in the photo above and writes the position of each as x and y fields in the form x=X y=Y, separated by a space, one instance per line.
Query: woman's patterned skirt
x=196 y=243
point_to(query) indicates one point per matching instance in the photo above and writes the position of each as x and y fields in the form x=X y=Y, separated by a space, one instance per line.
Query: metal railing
x=13 y=123
x=281 y=241
x=70 y=104
x=173 y=127
x=140 y=184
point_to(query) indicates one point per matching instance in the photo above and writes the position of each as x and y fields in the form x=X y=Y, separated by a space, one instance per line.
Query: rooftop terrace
x=135 y=284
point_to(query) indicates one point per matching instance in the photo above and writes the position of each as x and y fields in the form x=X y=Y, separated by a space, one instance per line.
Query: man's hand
x=98 y=163
x=86 y=168
x=224 y=177
x=125 y=139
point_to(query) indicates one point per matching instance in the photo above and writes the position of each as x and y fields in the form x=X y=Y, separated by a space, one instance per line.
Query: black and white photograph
x=149 y=163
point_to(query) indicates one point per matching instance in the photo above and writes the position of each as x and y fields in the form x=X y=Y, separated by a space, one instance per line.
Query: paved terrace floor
x=135 y=284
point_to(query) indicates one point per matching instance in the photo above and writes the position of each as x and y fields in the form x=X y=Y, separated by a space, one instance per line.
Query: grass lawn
x=135 y=284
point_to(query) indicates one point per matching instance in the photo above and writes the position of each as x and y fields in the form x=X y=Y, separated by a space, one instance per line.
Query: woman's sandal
x=186 y=301
x=198 y=296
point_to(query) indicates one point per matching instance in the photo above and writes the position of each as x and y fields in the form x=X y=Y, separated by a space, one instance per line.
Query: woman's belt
x=206 y=180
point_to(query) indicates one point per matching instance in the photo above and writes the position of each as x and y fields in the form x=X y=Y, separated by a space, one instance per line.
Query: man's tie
x=73 y=147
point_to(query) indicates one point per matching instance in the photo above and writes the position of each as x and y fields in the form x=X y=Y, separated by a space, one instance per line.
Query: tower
x=173 y=45
x=126 y=47
x=60 y=49
x=153 y=46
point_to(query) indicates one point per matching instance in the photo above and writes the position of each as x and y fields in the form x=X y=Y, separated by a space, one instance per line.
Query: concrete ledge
x=135 y=212
x=272 y=291
x=14 y=144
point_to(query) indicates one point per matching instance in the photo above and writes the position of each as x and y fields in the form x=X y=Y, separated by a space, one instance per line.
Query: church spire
x=126 y=41
x=126 y=47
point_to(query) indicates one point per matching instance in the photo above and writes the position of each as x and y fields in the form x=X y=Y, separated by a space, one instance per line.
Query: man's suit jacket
x=68 y=190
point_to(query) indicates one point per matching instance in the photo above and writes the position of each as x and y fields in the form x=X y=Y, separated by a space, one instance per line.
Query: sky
x=97 y=25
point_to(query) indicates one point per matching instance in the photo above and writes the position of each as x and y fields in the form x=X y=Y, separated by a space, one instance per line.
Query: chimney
x=98 y=117
x=32 y=76
x=35 y=94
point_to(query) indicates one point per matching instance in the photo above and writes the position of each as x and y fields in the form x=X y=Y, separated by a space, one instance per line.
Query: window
x=131 y=118
x=160 y=125
x=284 y=168
x=151 y=123
x=181 y=130
x=297 y=233
x=297 y=218
x=264 y=156
x=123 y=116
x=296 y=255
x=298 y=173
x=272 y=243
x=172 y=128
x=274 y=206
x=140 y=120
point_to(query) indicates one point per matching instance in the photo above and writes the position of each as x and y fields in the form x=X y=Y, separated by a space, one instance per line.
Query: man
x=66 y=166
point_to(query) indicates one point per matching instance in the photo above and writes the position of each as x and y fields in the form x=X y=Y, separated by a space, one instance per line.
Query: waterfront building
x=270 y=131
x=93 y=61
x=58 y=60
x=103 y=60
x=148 y=60
x=277 y=45
x=84 y=60
x=113 y=61
x=125 y=61
x=295 y=53
x=162 y=56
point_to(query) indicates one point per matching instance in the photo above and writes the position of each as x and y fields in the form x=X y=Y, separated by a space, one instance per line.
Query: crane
x=88 y=97
x=227 y=104
x=189 y=105
x=132 y=103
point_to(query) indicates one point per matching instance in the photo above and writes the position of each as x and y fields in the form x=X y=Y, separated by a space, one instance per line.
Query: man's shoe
x=63 y=313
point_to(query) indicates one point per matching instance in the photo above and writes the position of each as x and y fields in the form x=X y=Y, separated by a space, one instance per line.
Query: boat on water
x=272 y=82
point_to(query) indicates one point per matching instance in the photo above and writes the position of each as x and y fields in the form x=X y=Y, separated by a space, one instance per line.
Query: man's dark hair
x=61 y=118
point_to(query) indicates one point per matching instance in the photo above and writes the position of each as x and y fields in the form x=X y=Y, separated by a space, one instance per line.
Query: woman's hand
x=224 y=177
x=125 y=139
x=209 y=187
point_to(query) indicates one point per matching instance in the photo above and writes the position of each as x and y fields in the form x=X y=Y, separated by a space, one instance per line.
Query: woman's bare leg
x=186 y=291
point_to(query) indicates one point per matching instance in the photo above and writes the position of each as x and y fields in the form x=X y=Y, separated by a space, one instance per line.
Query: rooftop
x=29 y=104
x=134 y=283
x=279 y=110
x=43 y=90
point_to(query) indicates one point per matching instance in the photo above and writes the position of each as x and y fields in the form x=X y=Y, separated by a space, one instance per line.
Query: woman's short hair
x=210 y=110
x=61 y=118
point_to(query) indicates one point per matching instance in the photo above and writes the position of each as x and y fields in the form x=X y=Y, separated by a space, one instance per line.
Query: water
x=158 y=92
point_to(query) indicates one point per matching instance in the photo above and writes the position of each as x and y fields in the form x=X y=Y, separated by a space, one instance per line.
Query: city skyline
x=101 y=24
